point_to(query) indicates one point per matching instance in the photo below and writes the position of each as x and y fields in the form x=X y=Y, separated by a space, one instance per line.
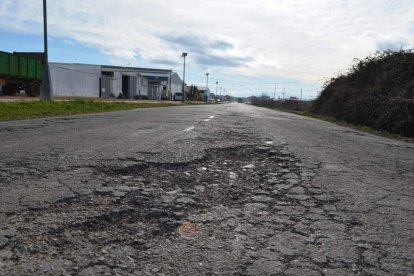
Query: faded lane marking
x=189 y=128
x=209 y=118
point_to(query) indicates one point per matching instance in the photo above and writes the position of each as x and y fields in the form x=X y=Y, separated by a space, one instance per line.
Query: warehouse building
x=205 y=91
x=86 y=80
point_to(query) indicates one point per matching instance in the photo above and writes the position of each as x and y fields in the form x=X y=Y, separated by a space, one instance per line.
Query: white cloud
x=304 y=39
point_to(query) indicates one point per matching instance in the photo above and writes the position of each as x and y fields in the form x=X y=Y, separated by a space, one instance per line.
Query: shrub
x=377 y=92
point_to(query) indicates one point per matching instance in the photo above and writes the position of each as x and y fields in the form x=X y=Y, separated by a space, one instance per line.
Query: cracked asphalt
x=203 y=190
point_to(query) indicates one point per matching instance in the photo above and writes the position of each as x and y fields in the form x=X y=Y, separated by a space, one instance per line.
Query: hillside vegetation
x=377 y=92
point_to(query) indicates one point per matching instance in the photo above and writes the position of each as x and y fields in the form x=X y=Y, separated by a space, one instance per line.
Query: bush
x=377 y=92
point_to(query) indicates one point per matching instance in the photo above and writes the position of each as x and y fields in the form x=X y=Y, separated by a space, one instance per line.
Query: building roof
x=137 y=69
x=202 y=88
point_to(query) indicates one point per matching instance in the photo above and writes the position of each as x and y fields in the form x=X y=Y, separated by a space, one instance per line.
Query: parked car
x=178 y=97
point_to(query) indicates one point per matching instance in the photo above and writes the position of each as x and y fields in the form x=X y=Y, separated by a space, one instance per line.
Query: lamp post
x=220 y=91
x=183 y=90
x=46 y=90
x=207 y=87
x=216 y=89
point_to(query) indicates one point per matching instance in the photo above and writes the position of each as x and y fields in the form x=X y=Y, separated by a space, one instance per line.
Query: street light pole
x=46 y=89
x=216 y=89
x=220 y=91
x=183 y=55
x=207 y=87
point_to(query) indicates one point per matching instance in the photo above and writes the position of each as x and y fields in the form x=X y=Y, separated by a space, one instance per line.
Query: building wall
x=137 y=84
x=205 y=91
x=117 y=88
x=176 y=84
x=142 y=86
x=83 y=80
x=80 y=80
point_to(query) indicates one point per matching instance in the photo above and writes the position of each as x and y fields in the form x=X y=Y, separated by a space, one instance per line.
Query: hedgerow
x=377 y=92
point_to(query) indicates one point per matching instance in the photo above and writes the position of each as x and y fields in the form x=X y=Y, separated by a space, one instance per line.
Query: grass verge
x=42 y=108
x=370 y=130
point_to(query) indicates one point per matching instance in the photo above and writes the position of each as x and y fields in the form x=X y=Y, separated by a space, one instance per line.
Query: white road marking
x=270 y=142
x=189 y=128
x=209 y=118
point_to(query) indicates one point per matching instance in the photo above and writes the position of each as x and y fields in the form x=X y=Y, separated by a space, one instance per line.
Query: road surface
x=203 y=190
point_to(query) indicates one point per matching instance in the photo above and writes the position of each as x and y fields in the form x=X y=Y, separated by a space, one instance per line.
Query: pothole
x=224 y=204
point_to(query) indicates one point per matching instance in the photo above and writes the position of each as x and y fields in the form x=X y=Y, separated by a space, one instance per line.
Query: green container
x=4 y=64
x=14 y=66
x=23 y=69
x=39 y=70
x=20 y=67
x=31 y=68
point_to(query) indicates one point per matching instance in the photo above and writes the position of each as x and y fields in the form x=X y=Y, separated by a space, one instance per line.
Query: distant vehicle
x=240 y=100
x=178 y=97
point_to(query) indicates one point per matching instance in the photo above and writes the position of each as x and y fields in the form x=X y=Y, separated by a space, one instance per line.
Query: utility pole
x=47 y=92
x=183 y=90
x=207 y=87
x=216 y=89
x=169 y=86
x=283 y=93
x=274 y=93
x=301 y=94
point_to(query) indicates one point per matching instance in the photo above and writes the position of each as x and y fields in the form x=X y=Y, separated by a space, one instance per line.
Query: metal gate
x=153 y=92
x=106 y=85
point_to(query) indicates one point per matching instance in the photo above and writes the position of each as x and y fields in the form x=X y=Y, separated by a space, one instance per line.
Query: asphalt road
x=203 y=190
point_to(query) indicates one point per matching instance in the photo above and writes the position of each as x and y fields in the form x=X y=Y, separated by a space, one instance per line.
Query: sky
x=249 y=47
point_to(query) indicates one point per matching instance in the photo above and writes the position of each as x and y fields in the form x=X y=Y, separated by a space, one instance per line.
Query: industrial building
x=87 y=80
x=205 y=91
x=24 y=72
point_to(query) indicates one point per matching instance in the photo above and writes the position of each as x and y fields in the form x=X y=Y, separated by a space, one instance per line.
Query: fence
x=296 y=105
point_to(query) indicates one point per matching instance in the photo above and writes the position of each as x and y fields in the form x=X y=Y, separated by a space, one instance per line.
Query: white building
x=80 y=80
x=85 y=80
x=205 y=91
x=176 y=84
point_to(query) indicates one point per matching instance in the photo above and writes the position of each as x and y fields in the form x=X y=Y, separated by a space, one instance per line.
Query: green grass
x=363 y=128
x=370 y=130
x=42 y=108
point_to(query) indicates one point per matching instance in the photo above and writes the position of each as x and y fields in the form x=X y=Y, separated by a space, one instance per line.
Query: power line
x=251 y=82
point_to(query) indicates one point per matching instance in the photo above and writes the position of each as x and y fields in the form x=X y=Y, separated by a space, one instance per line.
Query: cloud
x=304 y=39
x=188 y=42
x=208 y=52
x=380 y=42
x=197 y=43
x=165 y=61
x=217 y=61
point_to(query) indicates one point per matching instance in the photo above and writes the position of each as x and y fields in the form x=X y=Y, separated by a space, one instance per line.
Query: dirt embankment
x=377 y=92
